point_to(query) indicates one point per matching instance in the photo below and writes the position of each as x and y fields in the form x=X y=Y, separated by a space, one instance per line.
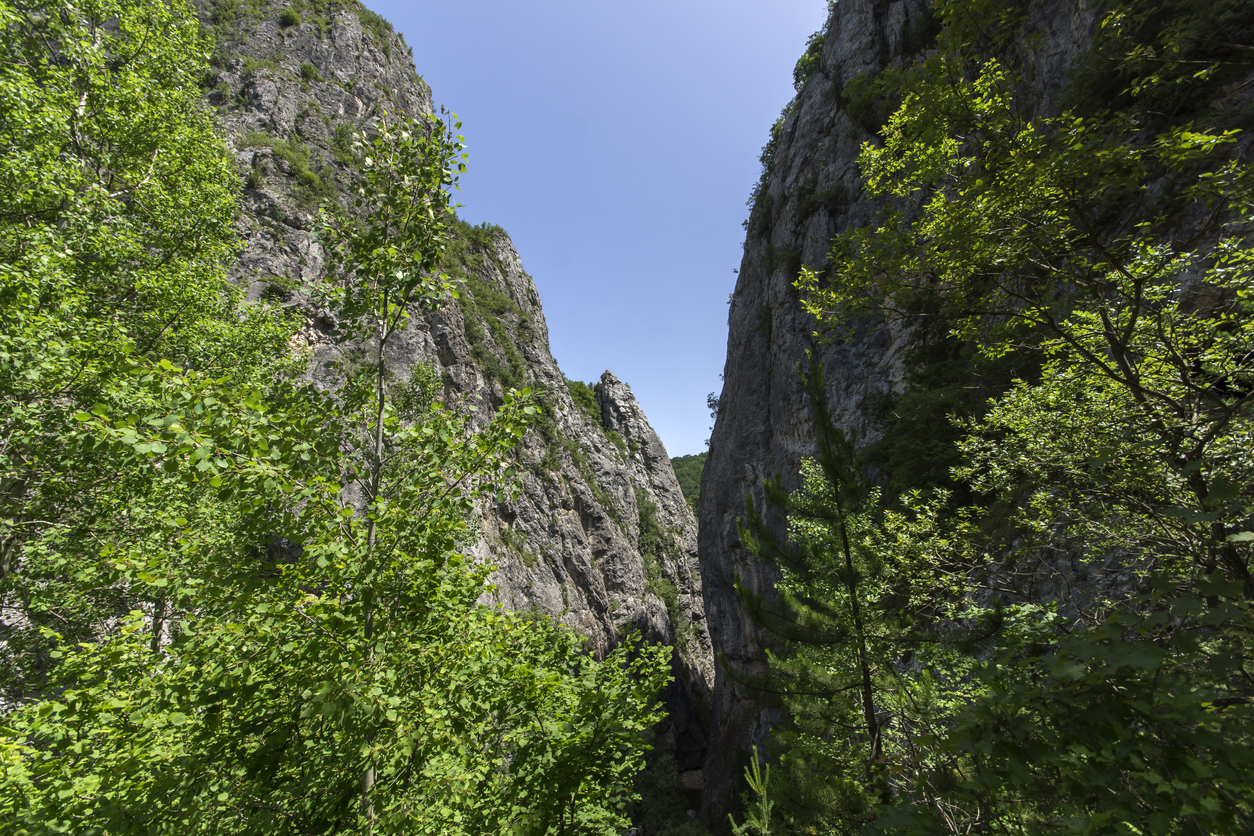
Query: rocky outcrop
x=599 y=536
x=810 y=191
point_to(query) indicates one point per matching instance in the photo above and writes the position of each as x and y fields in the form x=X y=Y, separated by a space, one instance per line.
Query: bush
x=251 y=65
x=342 y=144
x=380 y=30
x=312 y=187
x=585 y=398
x=289 y=17
x=308 y=73
x=767 y=157
x=870 y=98
x=656 y=544
x=809 y=62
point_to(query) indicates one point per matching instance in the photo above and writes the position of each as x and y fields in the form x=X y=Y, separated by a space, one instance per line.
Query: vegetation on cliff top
x=688 y=472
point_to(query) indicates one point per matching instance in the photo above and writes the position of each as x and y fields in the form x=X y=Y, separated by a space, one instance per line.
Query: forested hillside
x=688 y=472
x=994 y=572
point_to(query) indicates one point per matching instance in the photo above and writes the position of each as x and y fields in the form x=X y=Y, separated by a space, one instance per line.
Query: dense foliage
x=862 y=588
x=234 y=602
x=688 y=471
x=1100 y=557
x=585 y=397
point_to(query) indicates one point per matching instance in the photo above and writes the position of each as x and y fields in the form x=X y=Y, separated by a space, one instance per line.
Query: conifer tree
x=872 y=633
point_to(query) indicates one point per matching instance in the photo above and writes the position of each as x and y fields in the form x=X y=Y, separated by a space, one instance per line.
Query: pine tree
x=872 y=636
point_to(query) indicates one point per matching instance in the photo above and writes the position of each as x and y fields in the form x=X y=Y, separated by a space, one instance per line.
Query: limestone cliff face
x=600 y=536
x=812 y=191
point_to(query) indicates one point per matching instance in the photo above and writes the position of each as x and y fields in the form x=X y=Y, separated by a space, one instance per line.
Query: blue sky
x=617 y=144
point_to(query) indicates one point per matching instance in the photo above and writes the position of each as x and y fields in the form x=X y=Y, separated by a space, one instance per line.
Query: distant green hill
x=688 y=471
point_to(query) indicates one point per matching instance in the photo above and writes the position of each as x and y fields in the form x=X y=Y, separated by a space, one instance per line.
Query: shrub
x=380 y=30
x=870 y=98
x=809 y=62
x=252 y=65
x=807 y=199
x=342 y=144
x=585 y=398
x=312 y=187
x=655 y=545
x=767 y=157
x=289 y=17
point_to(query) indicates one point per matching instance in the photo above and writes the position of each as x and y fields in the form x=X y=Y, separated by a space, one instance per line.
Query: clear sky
x=617 y=144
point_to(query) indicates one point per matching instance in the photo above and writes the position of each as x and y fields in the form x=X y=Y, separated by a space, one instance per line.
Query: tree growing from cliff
x=1121 y=234
x=1057 y=226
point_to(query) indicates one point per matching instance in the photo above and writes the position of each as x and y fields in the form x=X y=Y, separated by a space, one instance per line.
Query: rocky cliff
x=810 y=191
x=600 y=536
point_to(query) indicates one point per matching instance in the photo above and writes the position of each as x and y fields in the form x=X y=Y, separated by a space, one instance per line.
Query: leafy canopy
x=1113 y=238
x=241 y=602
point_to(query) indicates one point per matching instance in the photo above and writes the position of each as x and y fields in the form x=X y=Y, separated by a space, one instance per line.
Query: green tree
x=1015 y=229
x=274 y=631
x=1118 y=231
x=688 y=471
x=119 y=212
x=871 y=624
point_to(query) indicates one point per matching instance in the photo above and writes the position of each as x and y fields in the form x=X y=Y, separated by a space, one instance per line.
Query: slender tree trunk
x=368 y=603
x=855 y=607
x=158 y=622
x=12 y=492
x=813 y=383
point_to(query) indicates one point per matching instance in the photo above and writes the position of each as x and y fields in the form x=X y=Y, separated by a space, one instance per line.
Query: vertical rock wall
x=811 y=191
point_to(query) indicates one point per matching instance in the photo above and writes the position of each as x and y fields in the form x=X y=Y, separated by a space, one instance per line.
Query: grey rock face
x=570 y=545
x=282 y=93
x=764 y=425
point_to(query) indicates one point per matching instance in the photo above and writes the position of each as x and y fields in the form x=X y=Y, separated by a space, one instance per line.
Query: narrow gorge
x=303 y=530
x=601 y=535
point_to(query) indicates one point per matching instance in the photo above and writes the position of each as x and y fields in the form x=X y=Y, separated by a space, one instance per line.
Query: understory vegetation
x=1027 y=610
x=232 y=601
